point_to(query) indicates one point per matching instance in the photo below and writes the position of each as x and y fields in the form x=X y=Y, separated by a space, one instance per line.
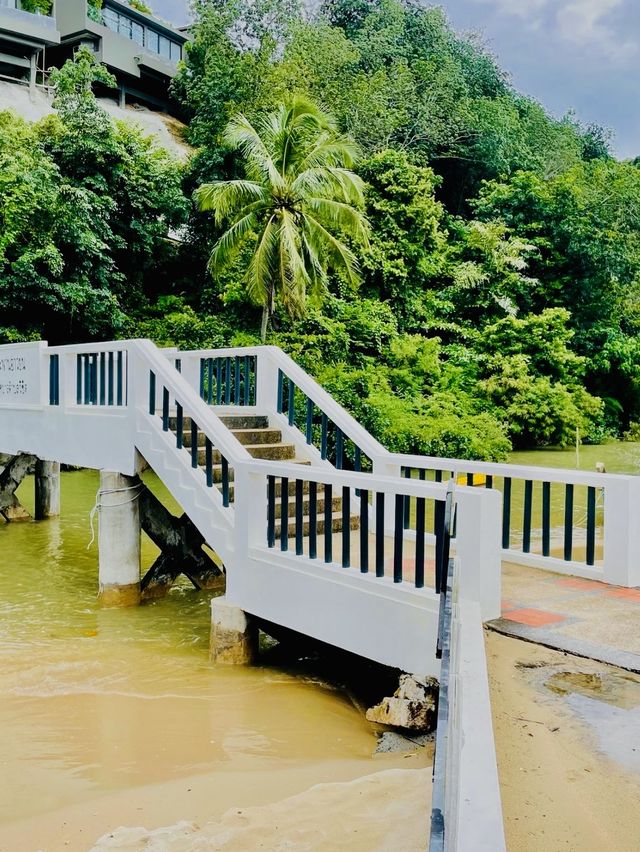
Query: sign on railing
x=20 y=374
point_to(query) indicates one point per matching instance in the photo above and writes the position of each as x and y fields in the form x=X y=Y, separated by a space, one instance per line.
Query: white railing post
x=68 y=379
x=622 y=531
x=190 y=369
x=478 y=548
x=250 y=523
x=382 y=466
x=267 y=387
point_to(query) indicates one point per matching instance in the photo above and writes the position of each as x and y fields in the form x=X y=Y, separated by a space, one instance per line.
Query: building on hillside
x=25 y=39
x=138 y=49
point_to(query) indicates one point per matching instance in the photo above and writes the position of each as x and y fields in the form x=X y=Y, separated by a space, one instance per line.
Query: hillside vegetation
x=495 y=302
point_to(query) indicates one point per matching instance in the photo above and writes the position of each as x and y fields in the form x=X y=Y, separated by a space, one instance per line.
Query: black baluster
x=225 y=480
x=87 y=380
x=111 y=379
x=398 y=539
x=364 y=531
x=208 y=461
x=202 y=375
x=280 y=391
x=380 y=534
x=328 y=523
x=546 y=518
x=179 y=426
x=119 y=378
x=299 y=517
x=194 y=443
x=78 y=379
x=568 y=522
x=271 y=511
x=236 y=381
x=165 y=410
x=227 y=381
x=526 y=523
x=339 y=448
x=313 y=520
x=506 y=514
x=346 y=526
x=247 y=380
x=591 y=526
x=420 y=531
x=324 y=428
x=284 y=514
x=291 y=405
x=406 y=520
x=309 y=425
x=102 y=378
x=219 y=380
x=438 y=526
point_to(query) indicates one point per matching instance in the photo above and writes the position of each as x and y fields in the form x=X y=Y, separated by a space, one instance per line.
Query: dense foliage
x=499 y=300
x=85 y=205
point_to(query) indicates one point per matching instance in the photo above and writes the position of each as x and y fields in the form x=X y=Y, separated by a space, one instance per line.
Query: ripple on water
x=93 y=700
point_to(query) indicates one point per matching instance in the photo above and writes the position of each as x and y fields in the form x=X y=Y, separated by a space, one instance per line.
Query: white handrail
x=512 y=471
x=350 y=479
x=208 y=421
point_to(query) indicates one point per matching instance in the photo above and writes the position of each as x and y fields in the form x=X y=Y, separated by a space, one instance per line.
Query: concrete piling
x=119 y=539
x=234 y=635
x=47 y=486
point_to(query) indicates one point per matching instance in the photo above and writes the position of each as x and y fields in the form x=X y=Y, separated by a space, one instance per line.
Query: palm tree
x=298 y=201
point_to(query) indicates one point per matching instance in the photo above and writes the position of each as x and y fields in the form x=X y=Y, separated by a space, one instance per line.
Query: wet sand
x=560 y=789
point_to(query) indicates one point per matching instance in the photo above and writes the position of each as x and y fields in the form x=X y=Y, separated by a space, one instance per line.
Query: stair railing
x=266 y=380
x=171 y=399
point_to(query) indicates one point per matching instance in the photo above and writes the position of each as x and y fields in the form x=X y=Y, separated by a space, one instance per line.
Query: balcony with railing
x=17 y=19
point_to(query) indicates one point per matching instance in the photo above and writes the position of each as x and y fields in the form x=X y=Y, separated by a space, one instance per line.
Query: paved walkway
x=582 y=617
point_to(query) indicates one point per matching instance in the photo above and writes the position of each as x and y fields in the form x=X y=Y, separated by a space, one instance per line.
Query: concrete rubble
x=412 y=707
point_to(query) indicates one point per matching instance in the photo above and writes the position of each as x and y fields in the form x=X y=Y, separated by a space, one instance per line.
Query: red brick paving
x=534 y=617
x=582 y=585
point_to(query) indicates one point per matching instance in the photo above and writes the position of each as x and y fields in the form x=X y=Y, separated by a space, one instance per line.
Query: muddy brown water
x=96 y=701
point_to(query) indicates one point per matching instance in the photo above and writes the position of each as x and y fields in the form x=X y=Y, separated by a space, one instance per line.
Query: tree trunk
x=265 y=322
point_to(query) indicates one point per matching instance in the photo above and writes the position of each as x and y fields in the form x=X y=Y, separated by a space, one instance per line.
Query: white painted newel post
x=478 y=547
x=622 y=531
x=267 y=381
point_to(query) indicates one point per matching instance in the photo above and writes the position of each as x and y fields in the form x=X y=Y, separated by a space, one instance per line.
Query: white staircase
x=315 y=527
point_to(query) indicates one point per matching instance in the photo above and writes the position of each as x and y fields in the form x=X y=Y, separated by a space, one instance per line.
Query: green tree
x=584 y=224
x=297 y=201
x=85 y=210
x=407 y=249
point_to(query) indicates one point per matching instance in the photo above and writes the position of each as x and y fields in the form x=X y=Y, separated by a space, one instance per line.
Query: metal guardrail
x=441 y=767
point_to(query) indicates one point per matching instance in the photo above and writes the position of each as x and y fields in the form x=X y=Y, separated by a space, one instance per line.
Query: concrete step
x=336 y=525
x=233 y=423
x=246 y=421
x=217 y=476
x=250 y=437
x=267 y=452
x=245 y=436
x=336 y=506
x=292 y=484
